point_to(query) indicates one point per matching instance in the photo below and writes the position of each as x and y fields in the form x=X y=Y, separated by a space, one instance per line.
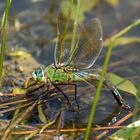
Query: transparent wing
x=63 y=43
x=87 y=47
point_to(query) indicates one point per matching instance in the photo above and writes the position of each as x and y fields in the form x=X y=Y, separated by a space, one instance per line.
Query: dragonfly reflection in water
x=73 y=65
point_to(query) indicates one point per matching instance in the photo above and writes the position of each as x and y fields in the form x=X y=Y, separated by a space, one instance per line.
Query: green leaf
x=18 y=90
x=138 y=87
x=131 y=132
x=66 y=5
x=122 y=84
x=113 y=3
x=41 y=114
x=137 y=101
x=123 y=41
x=85 y=6
x=90 y=4
x=20 y=53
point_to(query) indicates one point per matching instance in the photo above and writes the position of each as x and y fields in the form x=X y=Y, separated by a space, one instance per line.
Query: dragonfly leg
x=62 y=93
x=32 y=90
x=75 y=93
x=29 y=82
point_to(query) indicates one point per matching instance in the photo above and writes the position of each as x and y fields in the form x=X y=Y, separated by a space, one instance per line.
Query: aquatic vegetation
x=55 y=101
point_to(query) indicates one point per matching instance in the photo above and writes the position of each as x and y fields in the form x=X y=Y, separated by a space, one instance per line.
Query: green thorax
x=61 y=75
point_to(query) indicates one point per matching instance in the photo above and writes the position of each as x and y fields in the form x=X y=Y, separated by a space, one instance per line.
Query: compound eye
x=42 y=75
x=34 y=75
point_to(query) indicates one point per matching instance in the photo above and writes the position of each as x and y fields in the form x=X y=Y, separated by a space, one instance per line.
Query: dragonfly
x=75 y=65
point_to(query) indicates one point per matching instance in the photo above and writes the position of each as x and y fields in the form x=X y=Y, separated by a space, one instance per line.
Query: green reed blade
x=3 y=32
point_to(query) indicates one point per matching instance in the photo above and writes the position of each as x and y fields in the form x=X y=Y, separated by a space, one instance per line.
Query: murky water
x=38 y=32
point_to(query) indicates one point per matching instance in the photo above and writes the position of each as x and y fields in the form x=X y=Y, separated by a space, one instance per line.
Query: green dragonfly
x=74 y=65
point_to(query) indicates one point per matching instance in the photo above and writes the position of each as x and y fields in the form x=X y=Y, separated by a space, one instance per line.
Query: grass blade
x=3 y=32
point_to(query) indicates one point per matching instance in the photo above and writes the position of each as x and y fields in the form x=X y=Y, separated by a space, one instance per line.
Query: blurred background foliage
x=31 y=37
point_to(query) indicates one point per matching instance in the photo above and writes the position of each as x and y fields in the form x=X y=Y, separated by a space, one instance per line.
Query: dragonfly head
x=38 y=75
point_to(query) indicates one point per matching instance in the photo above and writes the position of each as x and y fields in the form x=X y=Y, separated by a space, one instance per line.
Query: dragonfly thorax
x=66 y=68
x=59 y=75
